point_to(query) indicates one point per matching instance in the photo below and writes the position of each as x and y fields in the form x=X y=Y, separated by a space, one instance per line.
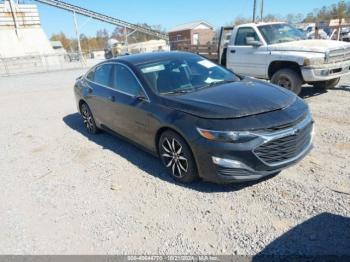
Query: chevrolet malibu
x=202 y=120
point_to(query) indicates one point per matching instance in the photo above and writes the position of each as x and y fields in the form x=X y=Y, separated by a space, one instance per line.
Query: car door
x=131 y=106
x=98 y=83
x=244 y=58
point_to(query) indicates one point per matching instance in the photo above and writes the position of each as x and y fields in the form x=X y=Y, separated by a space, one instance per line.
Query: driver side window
x=243 y=33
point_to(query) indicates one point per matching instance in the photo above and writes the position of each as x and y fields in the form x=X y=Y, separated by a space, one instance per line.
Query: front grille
x=338 y=55
x=285 y=148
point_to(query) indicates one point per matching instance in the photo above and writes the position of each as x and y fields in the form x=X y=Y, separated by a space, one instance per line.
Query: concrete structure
x=20 y=31
x=23 y=43
x=194 y=33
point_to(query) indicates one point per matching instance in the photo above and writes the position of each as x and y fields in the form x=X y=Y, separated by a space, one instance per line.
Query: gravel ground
x=64 y=191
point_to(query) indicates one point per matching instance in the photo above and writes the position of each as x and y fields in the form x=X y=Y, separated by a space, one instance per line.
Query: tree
x=339 y=10
x=272 y=18
x=137 y=36
x=84 y=43
x=103 y=34
x=309 y=18
x=241 y=20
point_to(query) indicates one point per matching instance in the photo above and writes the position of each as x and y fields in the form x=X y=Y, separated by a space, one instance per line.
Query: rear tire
x=327 y=84
x=88 y=119
x=177 y=157
x=289 y=79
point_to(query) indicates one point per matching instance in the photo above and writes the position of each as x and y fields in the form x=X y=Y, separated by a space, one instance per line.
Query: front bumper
x=325 y=72
x=238 y=162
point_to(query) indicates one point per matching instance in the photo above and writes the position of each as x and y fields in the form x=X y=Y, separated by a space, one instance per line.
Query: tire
x=289 y=79
x=88 y=119
x=177 y=157
x=327 y=84
x=223 y=57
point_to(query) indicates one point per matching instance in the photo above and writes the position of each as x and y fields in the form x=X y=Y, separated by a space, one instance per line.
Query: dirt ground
x=64 y=191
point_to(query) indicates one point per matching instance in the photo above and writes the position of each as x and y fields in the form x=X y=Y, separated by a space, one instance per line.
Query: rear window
x=103 y=74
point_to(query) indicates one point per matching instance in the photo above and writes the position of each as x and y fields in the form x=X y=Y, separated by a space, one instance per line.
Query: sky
x=167 y=13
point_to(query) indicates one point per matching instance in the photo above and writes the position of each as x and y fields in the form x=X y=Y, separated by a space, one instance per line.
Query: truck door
x=247 y=53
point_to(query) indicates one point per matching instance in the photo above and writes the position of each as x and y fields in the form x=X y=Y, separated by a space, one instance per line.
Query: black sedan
x=201 y=119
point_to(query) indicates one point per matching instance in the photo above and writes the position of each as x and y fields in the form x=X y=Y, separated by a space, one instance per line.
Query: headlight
x=313 y=61
x=226 y=136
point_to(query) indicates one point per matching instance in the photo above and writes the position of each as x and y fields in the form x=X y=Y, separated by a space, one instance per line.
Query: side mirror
x=141 y=97
x=251 y=41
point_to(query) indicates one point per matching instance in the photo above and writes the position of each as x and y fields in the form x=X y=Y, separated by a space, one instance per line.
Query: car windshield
x=280 y=33
x=183 y=75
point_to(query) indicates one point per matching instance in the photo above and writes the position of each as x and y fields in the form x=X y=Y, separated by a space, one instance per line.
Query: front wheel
x=327 y=84
x=289 y=79
x=177 y=157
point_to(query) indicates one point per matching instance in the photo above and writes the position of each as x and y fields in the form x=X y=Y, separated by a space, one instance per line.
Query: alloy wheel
x=173 y=157
x=87 y=118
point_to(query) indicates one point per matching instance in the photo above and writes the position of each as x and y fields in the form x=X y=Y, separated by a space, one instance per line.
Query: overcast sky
x=167 y=13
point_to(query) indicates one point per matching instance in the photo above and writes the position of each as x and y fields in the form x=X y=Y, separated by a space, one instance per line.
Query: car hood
x=318 y=46
x=232 y=100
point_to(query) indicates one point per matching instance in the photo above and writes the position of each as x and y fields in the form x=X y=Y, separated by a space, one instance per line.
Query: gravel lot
x=64 y=191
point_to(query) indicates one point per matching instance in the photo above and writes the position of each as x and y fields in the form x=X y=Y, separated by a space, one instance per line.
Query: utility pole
x=254 y=10
x=78 y=37
x=126 y=44
x=262 y=10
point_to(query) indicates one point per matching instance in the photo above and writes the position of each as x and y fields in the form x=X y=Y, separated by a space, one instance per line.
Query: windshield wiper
x=217 y=83
x=178 y=91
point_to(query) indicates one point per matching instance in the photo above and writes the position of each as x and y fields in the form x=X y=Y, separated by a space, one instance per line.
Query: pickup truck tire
x=289 y=79
x=327 y=84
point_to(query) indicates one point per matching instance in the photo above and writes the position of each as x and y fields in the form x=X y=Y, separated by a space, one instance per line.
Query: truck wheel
x=288 y=79
x=327 y=84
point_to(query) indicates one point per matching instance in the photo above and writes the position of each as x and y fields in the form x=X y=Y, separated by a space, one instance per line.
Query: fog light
x=230 y=163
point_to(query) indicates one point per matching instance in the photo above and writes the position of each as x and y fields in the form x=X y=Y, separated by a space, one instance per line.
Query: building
x=194 y=33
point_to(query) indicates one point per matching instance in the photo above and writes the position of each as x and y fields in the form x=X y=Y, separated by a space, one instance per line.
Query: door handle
x=112 y=98
x=233 y=51
x=90 y=90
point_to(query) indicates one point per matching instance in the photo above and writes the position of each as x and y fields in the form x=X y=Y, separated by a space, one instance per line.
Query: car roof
x=138 y=59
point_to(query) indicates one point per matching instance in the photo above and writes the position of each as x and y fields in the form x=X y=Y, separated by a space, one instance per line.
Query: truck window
x=243 y=33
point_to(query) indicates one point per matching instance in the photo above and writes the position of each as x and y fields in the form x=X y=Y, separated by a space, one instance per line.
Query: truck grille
x=338 y=55
x=286 y=148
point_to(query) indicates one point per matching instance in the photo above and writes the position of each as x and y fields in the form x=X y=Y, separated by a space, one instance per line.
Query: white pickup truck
x=280 y=53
